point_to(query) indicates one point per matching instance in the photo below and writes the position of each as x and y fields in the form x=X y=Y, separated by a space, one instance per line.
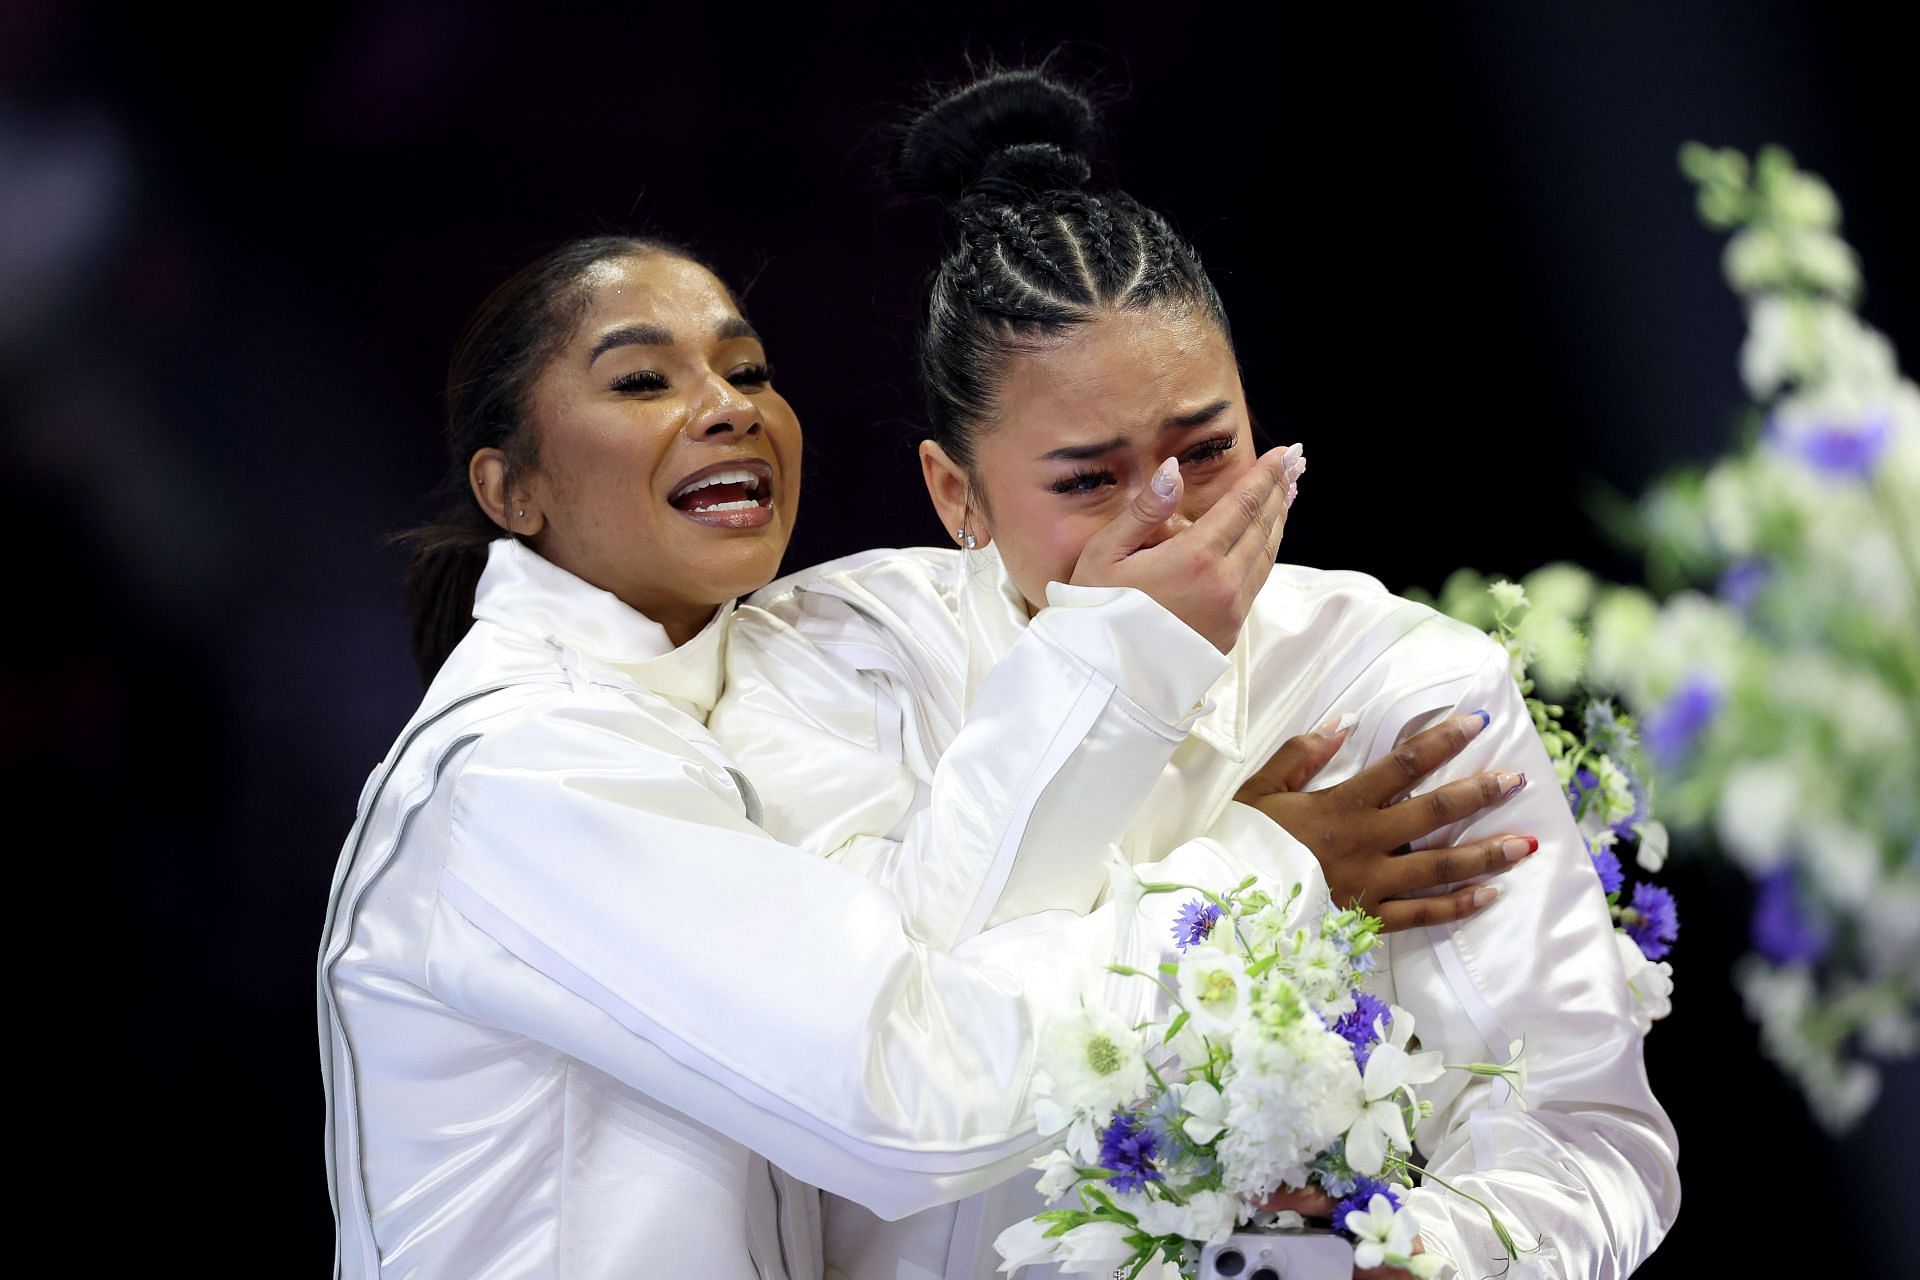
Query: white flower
x=1650 y=984
x=1094 y=1248
x=1058 y=1174
x=1845 y=862
x=1615 y=792
x=1555 y=648
x=1561 y=588
x=1206 y=1110
x=1891 y=1034
x=1619 y=636
x=1213 y=990
x=1208 y=1216
x=1507 y=596
x=1391 y=1070
x=1318 y=970
x=1381 y=1231
x=1654 y=842
x=1757 y=812
x=1087 y=1065
x=1293 y=1090
x=1026 y=1244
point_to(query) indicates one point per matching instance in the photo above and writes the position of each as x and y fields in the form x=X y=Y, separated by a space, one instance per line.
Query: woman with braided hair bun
x=1085 y=413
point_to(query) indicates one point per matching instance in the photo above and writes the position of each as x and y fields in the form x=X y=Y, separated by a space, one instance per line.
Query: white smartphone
x=1305 y=1253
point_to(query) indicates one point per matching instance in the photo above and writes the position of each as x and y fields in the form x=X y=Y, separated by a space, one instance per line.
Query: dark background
x=234 y=253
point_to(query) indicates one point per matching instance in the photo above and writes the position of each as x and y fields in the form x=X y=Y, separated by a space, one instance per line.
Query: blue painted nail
x=1485 y=719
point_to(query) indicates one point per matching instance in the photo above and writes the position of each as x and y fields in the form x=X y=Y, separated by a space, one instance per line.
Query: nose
x=724 y=412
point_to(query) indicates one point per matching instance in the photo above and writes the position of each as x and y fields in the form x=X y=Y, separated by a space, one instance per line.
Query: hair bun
x=1008 y=133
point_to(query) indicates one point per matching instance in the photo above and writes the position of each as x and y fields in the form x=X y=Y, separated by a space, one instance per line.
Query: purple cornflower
x=1357 y=1029
x=1364 y=1190
x=1194 y=923
x=1584 y=781
x=1850 y=450
x=1607 y=864
x=1672 y=730
x=1742 y=583
x=1784 y=931
x=1127 y=1147
x=1652 y=920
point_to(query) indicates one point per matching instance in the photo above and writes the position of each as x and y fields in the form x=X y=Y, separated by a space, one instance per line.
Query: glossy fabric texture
x=1590 y=1165
x=581 y=1017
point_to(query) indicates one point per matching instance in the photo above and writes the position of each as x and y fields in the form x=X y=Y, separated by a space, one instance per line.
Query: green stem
x=1499 y=1227
x=1128 y=971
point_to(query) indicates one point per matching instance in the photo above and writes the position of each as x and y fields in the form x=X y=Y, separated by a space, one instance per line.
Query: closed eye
x=751 y=375
x=640 y=380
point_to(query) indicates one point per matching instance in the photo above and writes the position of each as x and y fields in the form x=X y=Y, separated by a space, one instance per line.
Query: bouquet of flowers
x=1275 y=1067
x=1779 y=679
x=1602 y=768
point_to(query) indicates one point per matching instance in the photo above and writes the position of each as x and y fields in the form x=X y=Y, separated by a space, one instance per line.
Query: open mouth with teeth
x=736 y=495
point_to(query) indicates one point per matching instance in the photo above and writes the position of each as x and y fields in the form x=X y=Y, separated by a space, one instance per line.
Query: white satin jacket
x=580 y=1016
x=854 y=679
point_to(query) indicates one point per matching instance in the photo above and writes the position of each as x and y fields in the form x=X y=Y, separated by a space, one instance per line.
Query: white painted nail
x=1167 y=478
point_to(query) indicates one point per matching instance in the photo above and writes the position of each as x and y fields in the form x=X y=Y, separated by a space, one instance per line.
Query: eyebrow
x=1177 y=422
x=653 y=335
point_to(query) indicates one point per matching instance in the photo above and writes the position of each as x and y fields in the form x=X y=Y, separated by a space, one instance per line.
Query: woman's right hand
x=1360 y=834
x=1206 y=573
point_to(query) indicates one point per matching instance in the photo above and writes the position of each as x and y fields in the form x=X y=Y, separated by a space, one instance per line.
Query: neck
x=681 y=622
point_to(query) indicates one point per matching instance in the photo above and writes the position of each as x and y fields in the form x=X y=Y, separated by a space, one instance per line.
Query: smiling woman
x=666 y=468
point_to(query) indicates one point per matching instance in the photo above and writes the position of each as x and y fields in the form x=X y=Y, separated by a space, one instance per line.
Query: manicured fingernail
x=1510 y=784
x=1482 y=719
x=1293 y=491
x=1518 y=847
x=1484 y=894
x=1290 y=460
x=1167 y=478
x=1337 y=726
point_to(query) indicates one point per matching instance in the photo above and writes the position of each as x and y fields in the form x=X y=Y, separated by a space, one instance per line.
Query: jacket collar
x=524 y=592
x=994 y=615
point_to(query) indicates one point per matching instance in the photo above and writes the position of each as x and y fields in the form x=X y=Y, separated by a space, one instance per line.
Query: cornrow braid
x=1099 y=242
x=1160 y=258
x=1034 y=251
x=1017 y=234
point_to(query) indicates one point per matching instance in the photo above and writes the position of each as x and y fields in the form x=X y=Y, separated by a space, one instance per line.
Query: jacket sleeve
x=1588 y=1164
x=600 y=895
x=1058 y=749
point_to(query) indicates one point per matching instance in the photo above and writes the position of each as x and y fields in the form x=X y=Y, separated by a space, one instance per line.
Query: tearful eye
x=1083 y=482
x=1208 y=450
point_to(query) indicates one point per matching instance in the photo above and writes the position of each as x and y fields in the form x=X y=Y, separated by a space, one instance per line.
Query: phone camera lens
x=1265 y=1273
x=1229 y=1262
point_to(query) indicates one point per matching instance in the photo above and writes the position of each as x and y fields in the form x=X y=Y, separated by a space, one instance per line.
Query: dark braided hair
x=1034 y=252
x=521 y=326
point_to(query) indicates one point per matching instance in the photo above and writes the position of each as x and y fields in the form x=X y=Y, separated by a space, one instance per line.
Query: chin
x=740 y=567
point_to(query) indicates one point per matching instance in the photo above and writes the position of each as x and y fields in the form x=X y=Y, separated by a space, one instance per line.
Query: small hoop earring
x=966 y=539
